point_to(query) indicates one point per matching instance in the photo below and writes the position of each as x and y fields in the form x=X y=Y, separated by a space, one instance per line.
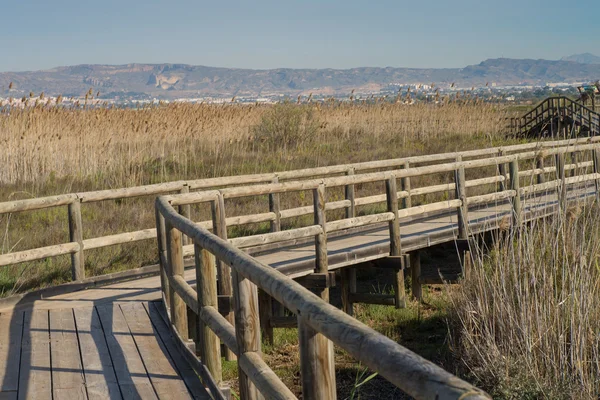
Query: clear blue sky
x=39 y=34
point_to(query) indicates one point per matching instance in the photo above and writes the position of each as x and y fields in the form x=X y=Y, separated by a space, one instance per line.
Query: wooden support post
x=265 y=309
x=161 y=238
x=514 y=185
x=348 y=288
x=560 y=175
x=175 y=260
x=502 y=172
x=461 y=194
x=596 y=160
x=274 y=207
x=573 y=160
x=405 y=185
x=223 y=270
x=350 y=195
x=186 y=211
x=321 y=265
x=247 y=328
x=539 y=164
x=317 y=365
x=208 y=344
x=391 y=193
x=76 y=235
x=415 y=273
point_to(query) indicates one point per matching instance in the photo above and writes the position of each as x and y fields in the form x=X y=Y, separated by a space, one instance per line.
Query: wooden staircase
x=557 y=117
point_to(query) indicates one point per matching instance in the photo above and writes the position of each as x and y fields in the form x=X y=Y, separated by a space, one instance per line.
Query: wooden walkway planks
x=112 y=351
x=129 y=368
x=185 y=370
x=161 y=369
x=100 y=378
x=11 y=330
x=67 y=371
x=35 y=377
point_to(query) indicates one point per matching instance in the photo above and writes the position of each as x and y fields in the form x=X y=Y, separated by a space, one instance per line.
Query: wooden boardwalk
x=111 y=350
x=116 y=341
x=343 y=250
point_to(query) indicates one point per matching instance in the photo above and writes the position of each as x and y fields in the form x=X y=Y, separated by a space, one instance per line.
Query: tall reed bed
x=527 y=318
x=53 y=150
x=123 y=147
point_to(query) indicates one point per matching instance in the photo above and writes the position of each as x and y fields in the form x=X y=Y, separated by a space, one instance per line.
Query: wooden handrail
x=413 y=374
x=287 y=179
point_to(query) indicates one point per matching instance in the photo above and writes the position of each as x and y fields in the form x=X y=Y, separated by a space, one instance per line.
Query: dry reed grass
x=526 y=319
x=124 y=147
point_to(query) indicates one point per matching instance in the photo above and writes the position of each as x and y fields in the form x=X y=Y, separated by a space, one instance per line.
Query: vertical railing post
x=350 y=195
x=317 y=363
x=247 y=328
x=275 y=207
x=348 y=275
x=596 y=161
x=391 y=193
x=502 y=172
x=539 y=164
x=405 y=186
x=265 y=310
x=515 y=185
x=176 y=268
x=320 y=219
x=562 y=187
x=161 y=238
x=461 y=194
x=208 y=344
x=265 y=302
x=186 y=211
x=223 y=270
x=76 y=235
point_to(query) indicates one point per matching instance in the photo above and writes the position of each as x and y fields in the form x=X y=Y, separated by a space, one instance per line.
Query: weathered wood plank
x=186 y=372
x=129 y=368
x=161 y=369
x=100 y=378
x=11 y=333
x=35 y=379
x=67 y=372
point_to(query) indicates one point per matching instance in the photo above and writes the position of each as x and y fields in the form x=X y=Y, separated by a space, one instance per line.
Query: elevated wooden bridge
x=557 y=117
x=159 y=331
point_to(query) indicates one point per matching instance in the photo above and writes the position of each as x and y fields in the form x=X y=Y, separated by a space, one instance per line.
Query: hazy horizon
x=39 y=35
x=269 y=69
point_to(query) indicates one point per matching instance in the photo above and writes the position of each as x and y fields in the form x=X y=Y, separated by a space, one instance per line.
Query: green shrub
x=287 y=125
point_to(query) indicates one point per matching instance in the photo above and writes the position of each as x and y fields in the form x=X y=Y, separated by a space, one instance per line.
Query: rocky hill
x=180 y=80
x=585 y=58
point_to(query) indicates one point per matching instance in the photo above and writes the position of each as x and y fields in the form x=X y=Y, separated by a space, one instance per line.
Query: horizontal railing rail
x=77 y=244
x=222 y=267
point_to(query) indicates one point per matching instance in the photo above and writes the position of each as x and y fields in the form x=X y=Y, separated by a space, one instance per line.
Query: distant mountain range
x=585 y=58
x=180 y=80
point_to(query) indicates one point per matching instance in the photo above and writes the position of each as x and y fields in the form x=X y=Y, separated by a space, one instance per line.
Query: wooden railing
x=78 y=244
x=223 y=267
x=551 y=116
x=320 y=324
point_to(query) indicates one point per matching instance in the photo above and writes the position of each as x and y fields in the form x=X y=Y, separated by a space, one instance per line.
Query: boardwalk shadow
x=100 y=354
